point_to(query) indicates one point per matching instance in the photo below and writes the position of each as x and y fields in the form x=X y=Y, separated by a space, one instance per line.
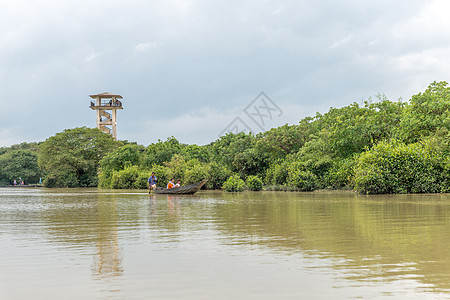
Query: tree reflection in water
x=364 y=240
x=368 y=238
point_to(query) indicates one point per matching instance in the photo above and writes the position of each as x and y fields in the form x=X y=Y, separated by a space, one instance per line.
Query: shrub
x=340 y=174
x=400 y=168
x=217 y=175
x=61 y=179
x=141 y=181
x=124 y=179
x=127 y=155
x=161 y=152
x=104 y=179
x=277 y=173
x=234 y=184
x=19 y=163
x=301 y=178
x=195 y=172
x=304 y=180
x=254 y=183
x=130 y=178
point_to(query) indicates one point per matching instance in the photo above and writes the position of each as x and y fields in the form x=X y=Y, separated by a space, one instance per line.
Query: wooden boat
x=185 y=189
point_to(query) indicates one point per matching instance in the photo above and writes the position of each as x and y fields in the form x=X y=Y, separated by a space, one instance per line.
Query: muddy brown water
x=109 y=244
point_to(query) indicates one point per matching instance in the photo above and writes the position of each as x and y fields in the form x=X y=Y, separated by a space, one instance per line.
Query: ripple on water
x=126 y=244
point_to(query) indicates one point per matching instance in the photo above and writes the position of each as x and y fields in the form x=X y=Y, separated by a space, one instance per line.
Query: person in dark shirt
x=152 y=180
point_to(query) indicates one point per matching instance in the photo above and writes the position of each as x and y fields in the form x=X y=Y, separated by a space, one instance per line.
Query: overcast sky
x=188 y=68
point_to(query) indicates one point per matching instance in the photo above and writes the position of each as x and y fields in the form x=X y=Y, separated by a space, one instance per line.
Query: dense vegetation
x=71 y=158
x=19 y=162
x=378 y=146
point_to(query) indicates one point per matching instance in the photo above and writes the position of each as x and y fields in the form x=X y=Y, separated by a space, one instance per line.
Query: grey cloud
x=171 y=58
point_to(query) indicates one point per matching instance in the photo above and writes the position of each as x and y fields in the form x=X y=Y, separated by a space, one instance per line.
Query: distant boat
x=185 y=189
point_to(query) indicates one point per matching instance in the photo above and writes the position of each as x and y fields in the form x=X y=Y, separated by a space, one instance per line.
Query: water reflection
x=82 y=221
x=108 y=260
x=358 y=241
x=374 y=239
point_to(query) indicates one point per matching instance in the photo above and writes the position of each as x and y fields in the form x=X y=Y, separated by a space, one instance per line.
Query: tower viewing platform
x=106 y=105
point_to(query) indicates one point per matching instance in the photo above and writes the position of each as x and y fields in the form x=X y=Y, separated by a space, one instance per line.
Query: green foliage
x=234 y=184
x=122 y=157
x=254 y=183
x=316 y=157
x=238 y=153
x=104 y=179
x=130 y=178
x=176 y=167
x=62 y=178
x=141 y=181
x=340 y=174
x=427 y=113
x=125 y=179
x=33 y=147
x=325 y=159
x=161 y=152
x=225 y=149
x=301 y=178
x=400 y=168
x=71 y=158
x=249 y=162
x=15 y=164
x=438 y=142
x=276 y=143
x=352 y=129
x=125 y=156
x=217 y=175
x=347 y=147
x=195 y=172
x=200 y=153
x=277 y=173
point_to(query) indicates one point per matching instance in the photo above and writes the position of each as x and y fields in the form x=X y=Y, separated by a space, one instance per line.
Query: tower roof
x=105 y=95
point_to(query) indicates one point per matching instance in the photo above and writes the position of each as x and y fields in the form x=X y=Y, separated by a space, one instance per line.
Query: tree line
x=374 y=147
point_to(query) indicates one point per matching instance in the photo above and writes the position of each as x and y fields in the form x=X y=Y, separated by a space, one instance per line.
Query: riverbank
x=24 y=185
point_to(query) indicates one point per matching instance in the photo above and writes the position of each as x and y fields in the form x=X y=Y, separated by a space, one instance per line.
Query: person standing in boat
x=171 y=184
x=152 y=180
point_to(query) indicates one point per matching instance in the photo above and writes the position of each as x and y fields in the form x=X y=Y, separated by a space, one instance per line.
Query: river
x=126 y=244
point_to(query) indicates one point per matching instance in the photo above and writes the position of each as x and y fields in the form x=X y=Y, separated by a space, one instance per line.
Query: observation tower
x=106 y=105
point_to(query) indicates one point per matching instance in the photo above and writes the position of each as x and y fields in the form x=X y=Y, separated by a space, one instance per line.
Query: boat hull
x=182 y=190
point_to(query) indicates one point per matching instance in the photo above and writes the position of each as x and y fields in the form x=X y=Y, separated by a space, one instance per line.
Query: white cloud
x=341 y=42
x=144 y=47
x=94 y=55
x=431 y=60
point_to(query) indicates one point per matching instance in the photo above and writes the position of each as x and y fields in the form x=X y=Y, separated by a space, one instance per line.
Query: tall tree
x=17 y=164
x=162 y=151
x=427 y=113
x=71 y=158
